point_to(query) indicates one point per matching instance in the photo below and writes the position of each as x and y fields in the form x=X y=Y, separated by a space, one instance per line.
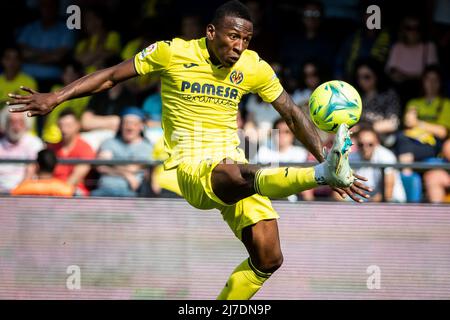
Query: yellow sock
x=282 y=182
x=244 y=282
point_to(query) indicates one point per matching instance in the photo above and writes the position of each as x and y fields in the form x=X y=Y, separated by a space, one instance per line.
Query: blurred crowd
x=401 y=71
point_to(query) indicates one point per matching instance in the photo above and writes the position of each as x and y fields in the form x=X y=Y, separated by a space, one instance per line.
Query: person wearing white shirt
x=370 y=149
x=282 y=149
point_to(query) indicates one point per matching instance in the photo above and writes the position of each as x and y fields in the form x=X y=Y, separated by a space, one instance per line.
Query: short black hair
x=13 y=47
x=77 y=66
x=233 y=8
x=68 y=112
x=367 y=127
x=435 y=68
x=46 y=160
x=277 y=122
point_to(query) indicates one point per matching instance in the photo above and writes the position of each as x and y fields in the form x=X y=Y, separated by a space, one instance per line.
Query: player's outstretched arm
x=303 y=129
x=42 y=103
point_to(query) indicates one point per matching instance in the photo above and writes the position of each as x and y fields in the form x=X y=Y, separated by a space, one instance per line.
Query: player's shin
x=285 y=181
x=244 y=282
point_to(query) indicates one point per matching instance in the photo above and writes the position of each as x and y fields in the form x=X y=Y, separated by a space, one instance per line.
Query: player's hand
x=356 y=190
x=34 y=103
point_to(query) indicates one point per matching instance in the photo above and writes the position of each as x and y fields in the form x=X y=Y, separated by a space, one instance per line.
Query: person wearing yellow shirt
x=202 y=83
x=50 y=131
x=100 y=43
x=12 y=77
x=426 y=121
x=142 y=86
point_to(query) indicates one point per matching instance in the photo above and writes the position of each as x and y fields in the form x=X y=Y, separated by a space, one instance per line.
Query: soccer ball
x=334 y=102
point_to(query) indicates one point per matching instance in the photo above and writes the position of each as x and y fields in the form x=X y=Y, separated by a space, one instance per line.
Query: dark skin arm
x=306 y=132
x=42 y=103
x=303 y=129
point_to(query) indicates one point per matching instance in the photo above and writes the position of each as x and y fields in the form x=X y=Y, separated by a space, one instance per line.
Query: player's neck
x=212 y=57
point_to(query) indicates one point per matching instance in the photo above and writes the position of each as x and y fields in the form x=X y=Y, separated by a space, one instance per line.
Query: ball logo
x=236 y=77
x=148 y=50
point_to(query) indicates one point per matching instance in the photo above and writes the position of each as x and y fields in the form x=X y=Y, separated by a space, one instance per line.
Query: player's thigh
x=232 y=182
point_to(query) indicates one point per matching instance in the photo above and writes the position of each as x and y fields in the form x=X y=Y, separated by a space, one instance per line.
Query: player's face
x=229 y=39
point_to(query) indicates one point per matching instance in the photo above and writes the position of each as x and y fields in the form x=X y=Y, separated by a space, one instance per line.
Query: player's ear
x=210 y=32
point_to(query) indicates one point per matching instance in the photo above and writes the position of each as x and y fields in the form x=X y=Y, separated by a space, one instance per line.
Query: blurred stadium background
x=135 y=247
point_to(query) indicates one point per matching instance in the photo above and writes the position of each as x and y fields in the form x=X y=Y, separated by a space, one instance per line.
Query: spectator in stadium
x=370 y=149
x=45 y=183
x=312 y=76
x=17 y=142
x=45 y=43
x=100 y=119
x=51 y=132
x=141 y=87
x=282 y=149
x=100 y=43
x=409 y=57
x=426 y=121
x=264 y=39
x=129 y=144
x=309 y=41
x=191 y=27
x=437 y=181
x=361 y=44
x=72 y=146
x=381 y=103
x=13 y=77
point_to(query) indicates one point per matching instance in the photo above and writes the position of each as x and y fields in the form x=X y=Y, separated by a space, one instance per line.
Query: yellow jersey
x=13 y=86
x=200 y=100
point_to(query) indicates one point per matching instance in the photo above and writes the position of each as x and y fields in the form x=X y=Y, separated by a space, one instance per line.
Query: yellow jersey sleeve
x=155 y=58
x=267 y=84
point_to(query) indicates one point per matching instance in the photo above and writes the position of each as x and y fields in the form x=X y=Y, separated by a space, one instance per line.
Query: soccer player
x=202 y=82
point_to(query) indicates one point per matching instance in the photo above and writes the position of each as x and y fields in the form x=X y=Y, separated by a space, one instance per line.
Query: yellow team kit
x=200 y=104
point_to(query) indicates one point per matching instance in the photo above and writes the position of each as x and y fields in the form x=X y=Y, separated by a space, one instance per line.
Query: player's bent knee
x=271 y=263
x=229 y=184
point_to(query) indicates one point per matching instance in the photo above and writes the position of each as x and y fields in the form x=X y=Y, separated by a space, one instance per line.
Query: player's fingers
x=20 y=100
x=19 y=108
x=16 y=96
x=362 y=186
x=357 y=176
x=33 y=113
x=359 y=191
x=29 y=90
x=353 y=196
x=340 y=192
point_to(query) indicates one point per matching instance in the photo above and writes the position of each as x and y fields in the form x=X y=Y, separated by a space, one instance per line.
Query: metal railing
x=416 y=166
